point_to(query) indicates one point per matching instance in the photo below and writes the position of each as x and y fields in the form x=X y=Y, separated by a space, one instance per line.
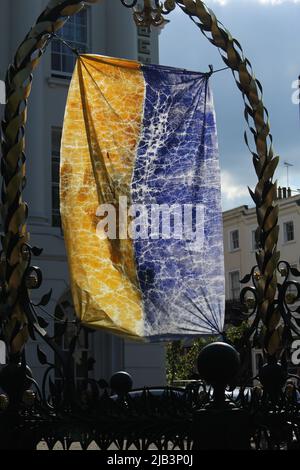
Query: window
x=75 y=33
x=288 y=231
x=83 y=361
x=234 y=278
x=55 y=161
x=2 y=92
x=2 y=353
x=234 y=240
x=255 y=245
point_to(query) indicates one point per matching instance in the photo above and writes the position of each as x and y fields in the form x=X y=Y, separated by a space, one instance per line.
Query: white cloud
x=233 y=193
x=230 y=188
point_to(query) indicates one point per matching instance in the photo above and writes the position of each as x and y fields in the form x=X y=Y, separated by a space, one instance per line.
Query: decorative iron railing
x=196 y=418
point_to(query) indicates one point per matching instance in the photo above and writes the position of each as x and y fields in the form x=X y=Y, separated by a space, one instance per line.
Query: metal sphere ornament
x=218 y=364
x=121 y=383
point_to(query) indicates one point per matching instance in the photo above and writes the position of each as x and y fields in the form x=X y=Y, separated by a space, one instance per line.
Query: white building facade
x=239 y=226
x=106 y=28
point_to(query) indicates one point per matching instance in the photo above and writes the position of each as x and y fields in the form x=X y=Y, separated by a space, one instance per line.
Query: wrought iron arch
x=17 y=276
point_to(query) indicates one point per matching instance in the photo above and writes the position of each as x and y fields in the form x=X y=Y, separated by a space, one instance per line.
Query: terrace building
x=240 y=245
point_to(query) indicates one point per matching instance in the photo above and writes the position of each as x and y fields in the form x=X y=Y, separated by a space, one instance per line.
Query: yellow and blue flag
x=140 y=200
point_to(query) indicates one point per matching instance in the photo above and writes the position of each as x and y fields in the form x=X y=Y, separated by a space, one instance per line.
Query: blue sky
x=268 y=31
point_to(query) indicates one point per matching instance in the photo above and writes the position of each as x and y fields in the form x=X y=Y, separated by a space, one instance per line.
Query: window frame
x=254 y=244
x=231 y=245
x=2 y=353
x=231 y=287
x=285 y=232
x=64 y=74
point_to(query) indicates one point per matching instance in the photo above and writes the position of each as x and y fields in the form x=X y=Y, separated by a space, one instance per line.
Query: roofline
x=248 y=211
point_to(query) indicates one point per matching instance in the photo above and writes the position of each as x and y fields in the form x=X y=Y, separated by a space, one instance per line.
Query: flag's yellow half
x=101 y=132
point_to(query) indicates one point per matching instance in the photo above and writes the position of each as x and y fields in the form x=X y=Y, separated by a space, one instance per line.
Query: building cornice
x=287 y=204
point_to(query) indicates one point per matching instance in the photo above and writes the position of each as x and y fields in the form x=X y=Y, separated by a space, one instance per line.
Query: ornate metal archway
x=18 y=319
x=17 y=276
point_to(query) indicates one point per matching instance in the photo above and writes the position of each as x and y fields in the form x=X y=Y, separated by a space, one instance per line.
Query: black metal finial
x=218 y=365
x=273 y=376
x=121 y=383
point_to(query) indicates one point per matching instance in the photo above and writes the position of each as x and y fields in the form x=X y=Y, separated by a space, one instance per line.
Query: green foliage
x=235 y=333
x=182 y=359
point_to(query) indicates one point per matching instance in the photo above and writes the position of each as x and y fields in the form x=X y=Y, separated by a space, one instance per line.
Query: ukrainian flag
x=146 y=133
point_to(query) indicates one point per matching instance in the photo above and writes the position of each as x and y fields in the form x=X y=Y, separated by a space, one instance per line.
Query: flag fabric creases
x=142 y=137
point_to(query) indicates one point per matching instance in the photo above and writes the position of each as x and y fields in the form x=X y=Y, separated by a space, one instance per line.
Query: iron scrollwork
x=140 y=418
x=152 y=13
x=286 y=305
